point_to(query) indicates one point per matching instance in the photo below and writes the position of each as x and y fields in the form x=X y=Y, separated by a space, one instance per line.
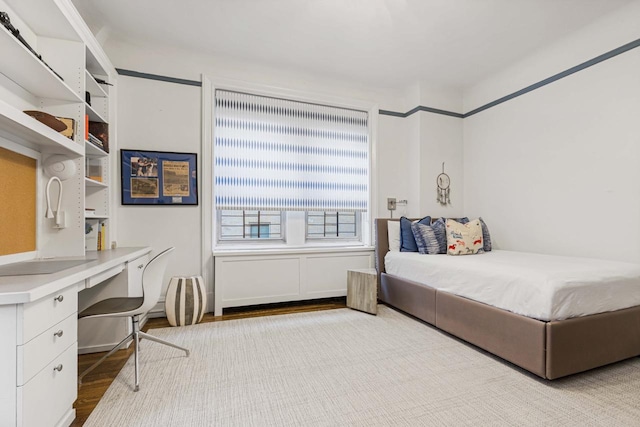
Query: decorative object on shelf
x=443 y=181
x=60 y=166
x=158 y=178
x=47 y=119
x=100 y=81
x=4 y=18
x=93 y=169
x=70 y=131
x=99 y=131
x=102 y=237
x=186 y=300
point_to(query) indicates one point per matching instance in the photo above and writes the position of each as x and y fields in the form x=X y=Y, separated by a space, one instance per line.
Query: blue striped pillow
x=431 y=239
x=407 y=240
x=486 y=237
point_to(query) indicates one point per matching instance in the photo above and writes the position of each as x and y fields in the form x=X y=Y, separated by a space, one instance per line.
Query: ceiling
x=383 y=43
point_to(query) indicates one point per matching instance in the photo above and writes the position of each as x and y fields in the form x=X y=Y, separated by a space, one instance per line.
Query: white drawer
x=38 y=316
x=45 y=399
x=101 y=277
x=44 y=348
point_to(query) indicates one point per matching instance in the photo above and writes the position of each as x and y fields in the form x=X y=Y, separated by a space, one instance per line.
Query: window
x=335 y=225
x=287 y=164
x=241 y=224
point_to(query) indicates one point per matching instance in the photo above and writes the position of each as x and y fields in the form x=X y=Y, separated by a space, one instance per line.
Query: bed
x=552 y=331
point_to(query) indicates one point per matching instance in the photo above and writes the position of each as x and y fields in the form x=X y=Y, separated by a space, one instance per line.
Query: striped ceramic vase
x=186 y=300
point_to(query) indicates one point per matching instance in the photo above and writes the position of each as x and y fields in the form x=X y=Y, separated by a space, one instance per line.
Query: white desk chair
x=133 y=307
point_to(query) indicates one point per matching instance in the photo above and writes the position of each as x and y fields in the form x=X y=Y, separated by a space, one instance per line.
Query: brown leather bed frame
x=548 y=349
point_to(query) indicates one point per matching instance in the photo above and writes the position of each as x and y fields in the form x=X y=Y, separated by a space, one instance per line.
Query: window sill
x=218 y=252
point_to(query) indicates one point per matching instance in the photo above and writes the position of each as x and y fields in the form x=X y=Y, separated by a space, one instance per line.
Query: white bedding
x=544 y=287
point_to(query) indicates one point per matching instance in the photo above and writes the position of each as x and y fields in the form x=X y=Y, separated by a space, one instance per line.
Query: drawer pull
x=59 y=333
x=59 y=298
x=58 y=368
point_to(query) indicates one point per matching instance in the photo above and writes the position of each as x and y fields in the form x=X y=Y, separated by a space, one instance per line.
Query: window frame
x=249 y=240
x=356 y=238
x=292 y=237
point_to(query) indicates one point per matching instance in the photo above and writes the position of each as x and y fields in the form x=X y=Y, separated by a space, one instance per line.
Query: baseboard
x=100 y=348
x=67 y=418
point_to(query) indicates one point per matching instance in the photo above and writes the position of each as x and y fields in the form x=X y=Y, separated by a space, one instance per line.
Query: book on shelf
x=102 y=237
x=95 y=141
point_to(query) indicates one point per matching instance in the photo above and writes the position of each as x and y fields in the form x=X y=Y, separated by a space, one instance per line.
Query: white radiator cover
x=260 y=278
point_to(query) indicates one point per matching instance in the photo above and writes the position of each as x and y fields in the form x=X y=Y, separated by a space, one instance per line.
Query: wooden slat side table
x=362 y=290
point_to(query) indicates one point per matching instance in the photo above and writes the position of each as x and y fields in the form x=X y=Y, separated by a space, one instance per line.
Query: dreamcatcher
x=443 y=190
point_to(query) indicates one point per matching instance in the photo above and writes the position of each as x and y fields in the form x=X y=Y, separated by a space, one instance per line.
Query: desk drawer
x=38 y=316
x=101 y=277
x=44 y=348
x=50 y=394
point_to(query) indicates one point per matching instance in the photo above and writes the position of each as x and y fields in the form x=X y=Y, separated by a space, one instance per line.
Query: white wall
x=441 y=141
x=158 y=116
x=556 y=170
x=166 y=116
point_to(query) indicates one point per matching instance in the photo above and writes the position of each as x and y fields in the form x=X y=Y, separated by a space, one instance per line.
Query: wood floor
x=97 y=382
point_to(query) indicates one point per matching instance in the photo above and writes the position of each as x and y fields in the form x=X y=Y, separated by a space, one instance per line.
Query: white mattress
x=544 y=287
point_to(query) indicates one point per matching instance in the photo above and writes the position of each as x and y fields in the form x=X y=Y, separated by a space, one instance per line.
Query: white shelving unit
x=30 y=73
x=55 y=30
x=24 y=130
x=97 y=191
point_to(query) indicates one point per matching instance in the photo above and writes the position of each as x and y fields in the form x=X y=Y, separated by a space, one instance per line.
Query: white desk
x=39 y=333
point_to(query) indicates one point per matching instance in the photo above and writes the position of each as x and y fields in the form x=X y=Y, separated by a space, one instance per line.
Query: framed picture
x=159 y=178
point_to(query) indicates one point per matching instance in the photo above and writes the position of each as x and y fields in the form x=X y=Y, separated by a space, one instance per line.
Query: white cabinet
x=41 y=383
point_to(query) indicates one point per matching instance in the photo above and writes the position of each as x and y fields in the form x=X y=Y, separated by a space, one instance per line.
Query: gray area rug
x=344 y=367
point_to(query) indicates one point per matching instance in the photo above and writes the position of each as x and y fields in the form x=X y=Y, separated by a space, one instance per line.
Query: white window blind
x=276 y=154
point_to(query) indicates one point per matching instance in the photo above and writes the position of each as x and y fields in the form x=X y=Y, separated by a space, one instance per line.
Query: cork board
x=17 y=203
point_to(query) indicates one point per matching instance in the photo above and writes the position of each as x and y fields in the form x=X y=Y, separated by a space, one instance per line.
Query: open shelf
x=92 y=150
x=30 y=73
x=27 y=131
x=91 y=183
x=94 y=116
x=93 y=87
x=44 y=18
x=95 y=216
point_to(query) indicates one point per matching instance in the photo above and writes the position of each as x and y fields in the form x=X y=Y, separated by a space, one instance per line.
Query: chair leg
x=158 y=340
x=136 y=340
x=102 y=359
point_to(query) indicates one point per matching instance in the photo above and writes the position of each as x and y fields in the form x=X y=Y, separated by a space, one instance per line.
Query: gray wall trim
x=148 y=76
x=435 y=111
x=558 y=76
x=392 y=113
x=541 y=83
x=420 y=108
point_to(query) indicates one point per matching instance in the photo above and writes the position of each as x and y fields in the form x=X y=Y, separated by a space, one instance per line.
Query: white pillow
x=464 y=239
x=393 y=232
